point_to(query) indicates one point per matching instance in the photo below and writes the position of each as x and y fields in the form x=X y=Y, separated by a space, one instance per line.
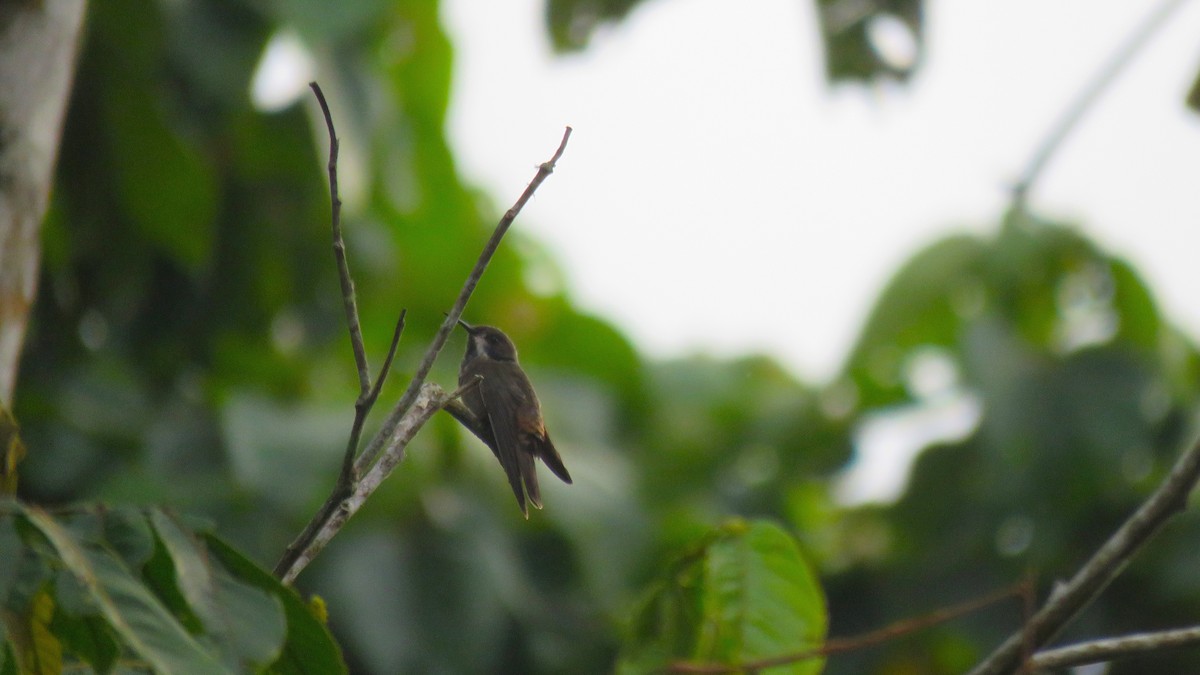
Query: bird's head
x=489 y=342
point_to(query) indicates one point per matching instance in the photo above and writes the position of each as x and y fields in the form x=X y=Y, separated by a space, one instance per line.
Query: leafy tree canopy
x=188 y=355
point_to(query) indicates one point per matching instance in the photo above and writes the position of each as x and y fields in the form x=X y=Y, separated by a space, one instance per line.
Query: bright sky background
x=718 y=196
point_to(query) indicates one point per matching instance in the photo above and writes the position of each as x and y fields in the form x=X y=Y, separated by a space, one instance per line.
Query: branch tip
x=419 y=401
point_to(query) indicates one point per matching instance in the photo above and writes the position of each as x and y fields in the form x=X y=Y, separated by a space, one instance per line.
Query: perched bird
x=504 y=401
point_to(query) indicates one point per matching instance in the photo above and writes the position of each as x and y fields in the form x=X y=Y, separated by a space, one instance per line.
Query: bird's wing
x=550 y=456
x=535 y=442
x=502 y=413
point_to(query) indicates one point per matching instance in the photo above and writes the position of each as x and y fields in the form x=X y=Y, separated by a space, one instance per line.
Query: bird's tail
x=551 y=458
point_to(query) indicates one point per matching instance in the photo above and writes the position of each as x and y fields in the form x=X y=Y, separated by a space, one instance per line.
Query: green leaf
x=71 y=596
x=248 y=624
x=571 y=23
x=254 y=625
x=850 y=53
x=1139 y=319
x=193 y=577
x=128 y=533
x=163 y=177
x=33 y=570
x=310 y=648
x=8 y=662
x=923 y=304
x=10 y=544
x=746 y=594
x=42 y=652
x=90 y=638
x=1193 y=95
x=761 y=599
x=12 y=451
x=665 y=626
x=132 y=611
x=158 y=575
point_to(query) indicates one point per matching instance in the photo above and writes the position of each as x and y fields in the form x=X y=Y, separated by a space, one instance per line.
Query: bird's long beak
x=466 y=326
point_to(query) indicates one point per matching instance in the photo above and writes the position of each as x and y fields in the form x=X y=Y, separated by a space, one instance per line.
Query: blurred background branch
x=1069 y=598
x=1110 y=649
x=187 y=346
x=38 y=41
x=1090 y=95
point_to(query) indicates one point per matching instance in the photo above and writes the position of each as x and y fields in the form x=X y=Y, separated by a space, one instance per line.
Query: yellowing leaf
x=12 y=451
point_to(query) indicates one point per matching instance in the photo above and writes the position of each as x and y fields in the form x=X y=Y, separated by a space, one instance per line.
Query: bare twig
x=1088 y=97
x=859 y=642
x=339 y=249
x=346 y=477
x=1071 y=597
x=367 y=400
x=439 y=339
x=368 y=393
x=429 y=400
x=416 y=406
x=1109 y=649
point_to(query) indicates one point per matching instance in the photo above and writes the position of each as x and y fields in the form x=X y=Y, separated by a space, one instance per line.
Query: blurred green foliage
x=136 y=590
x=189 y=350
x=850 y=32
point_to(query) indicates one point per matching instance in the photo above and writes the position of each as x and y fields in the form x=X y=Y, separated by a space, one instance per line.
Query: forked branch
x=378 y=443
x=419 y=401
x=1106 y=563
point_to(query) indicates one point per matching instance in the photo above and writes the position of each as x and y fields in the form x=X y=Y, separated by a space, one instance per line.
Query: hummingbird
x=504 y=401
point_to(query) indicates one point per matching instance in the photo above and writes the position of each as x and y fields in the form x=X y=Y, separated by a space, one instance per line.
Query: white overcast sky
x=718 y=196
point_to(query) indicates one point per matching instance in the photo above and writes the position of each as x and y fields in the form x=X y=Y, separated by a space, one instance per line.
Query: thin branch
x=419 y=402
x=364 y=403
x=346 y=477
x=368 y=393
x=859 y=642
x=339 y=249
x=1088 y=97
x=1109 y=649
x=429 y=400
x=1072 y=597
x=377 y=443
x=462 y=389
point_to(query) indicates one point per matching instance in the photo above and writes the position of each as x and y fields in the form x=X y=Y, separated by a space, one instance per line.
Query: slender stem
x=387 y=361
x=443 y=333
x=1073 y=596
x=1089 y=95
x=339 y=249
x=367 y=393
x=362 y=407
x=1096 y=651
x=331 y=520
x=858 y=642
